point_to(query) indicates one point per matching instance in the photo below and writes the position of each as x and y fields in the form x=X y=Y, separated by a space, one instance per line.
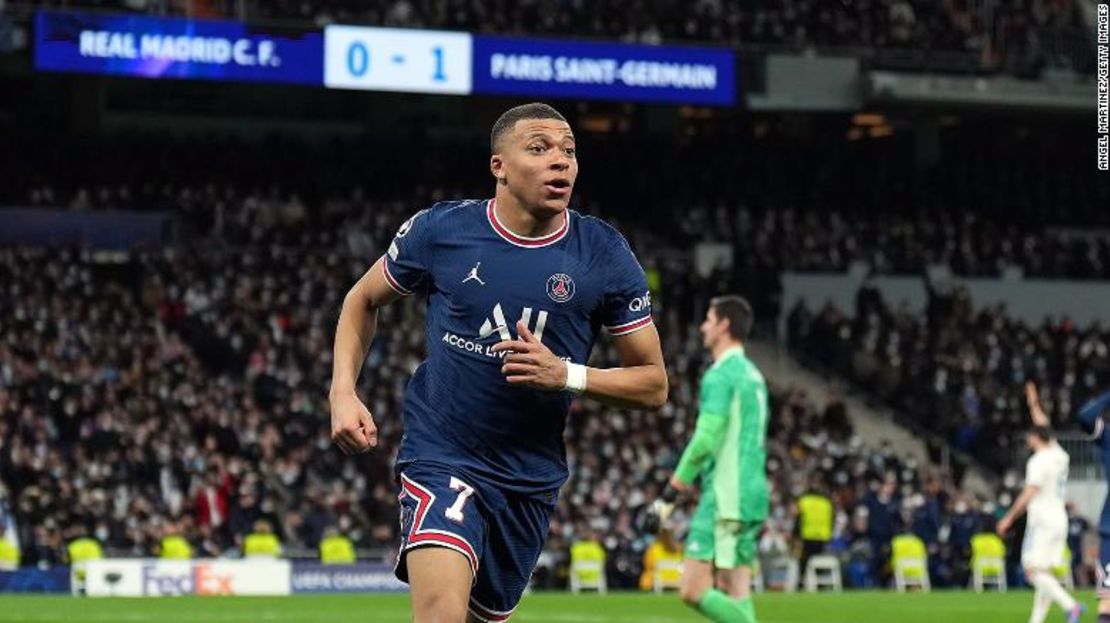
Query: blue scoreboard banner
x=383 y=59
x=613 y=71
x=176 y=48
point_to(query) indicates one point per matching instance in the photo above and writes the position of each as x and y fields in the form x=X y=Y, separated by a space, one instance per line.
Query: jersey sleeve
x=1035 y=473
x=408 y=262
x=1090 y=415
x=627 y=303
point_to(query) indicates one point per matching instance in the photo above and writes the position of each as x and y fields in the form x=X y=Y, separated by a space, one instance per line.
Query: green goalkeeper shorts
x=725 y=543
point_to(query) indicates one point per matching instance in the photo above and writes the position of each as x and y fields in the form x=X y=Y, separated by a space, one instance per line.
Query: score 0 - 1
x=392 y=59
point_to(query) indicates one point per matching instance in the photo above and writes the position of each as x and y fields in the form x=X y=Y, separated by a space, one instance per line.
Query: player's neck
x=512 y=214
x=719 y=350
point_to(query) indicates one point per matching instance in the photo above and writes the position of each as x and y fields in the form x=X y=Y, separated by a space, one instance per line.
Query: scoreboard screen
x=382 y=59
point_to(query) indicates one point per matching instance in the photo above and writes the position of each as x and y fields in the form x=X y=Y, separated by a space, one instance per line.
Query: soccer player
x=1046 y=529
x=1091 y=417
x=728 y=453
x=518 y=287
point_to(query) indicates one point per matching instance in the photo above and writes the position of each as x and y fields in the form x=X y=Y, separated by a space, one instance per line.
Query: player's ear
x=497 y=167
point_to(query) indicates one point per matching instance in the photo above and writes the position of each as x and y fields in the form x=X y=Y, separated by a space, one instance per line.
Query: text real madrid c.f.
x=176 y=48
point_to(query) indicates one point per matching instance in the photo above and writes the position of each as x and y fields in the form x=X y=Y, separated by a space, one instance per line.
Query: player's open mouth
x=558 y=187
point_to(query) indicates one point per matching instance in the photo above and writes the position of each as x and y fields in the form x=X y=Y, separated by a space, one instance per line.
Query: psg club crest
x=560 y=287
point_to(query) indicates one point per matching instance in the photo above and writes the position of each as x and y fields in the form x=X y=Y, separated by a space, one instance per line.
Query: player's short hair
x=534 y=110
x=738 y=312
x=1043 y=433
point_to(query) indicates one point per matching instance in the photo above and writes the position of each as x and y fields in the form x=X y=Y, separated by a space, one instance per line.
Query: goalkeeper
x=728 y=453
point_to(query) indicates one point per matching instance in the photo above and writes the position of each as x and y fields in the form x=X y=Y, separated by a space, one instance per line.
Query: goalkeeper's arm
x=705 y=444
x=707 y=440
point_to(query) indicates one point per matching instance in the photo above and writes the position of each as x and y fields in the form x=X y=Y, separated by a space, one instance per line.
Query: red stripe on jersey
x=393 y=283
x=629 y=327
x=523 y=241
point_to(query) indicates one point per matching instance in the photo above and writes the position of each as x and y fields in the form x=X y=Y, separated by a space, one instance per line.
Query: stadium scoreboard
x=382 y=59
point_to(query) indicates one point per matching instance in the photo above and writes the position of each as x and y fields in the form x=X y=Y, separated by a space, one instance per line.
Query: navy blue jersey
x=480 y=279
x=1090 y=418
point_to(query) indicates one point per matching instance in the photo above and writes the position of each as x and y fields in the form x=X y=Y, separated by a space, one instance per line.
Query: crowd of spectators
x=968 y=244
x=954 y=370
x=146 y=397
x=993 y=201
x=1018 y=35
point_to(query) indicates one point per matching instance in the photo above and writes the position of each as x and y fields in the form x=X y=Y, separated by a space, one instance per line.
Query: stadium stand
x=957 y=370
x=809 y=203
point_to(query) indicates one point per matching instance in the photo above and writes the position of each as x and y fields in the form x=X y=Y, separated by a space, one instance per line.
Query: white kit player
x=1046 y=528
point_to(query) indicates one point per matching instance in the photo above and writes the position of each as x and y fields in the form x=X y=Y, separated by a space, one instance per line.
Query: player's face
x=711 y=329
x=537 y=163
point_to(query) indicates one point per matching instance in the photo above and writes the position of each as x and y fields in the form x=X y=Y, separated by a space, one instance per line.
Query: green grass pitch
x=852 y=607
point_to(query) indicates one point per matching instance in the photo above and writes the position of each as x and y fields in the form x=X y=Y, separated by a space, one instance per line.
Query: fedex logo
x=200 y=579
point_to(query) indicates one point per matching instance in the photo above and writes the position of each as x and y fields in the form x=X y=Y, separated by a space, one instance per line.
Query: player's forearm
x=634 y=386
x=693 y=458
x=354 y=333
x=1022 y=502
x=1038 y=416
x=708 y=436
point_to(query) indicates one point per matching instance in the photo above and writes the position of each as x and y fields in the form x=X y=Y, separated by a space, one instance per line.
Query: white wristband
x=576 y=378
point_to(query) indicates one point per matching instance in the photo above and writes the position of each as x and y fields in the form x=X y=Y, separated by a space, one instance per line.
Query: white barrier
x=137 y=577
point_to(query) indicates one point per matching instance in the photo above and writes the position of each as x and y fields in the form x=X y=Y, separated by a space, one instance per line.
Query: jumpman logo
x=474 y=275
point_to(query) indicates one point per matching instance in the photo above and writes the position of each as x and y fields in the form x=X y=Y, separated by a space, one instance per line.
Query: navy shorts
x=500 y=533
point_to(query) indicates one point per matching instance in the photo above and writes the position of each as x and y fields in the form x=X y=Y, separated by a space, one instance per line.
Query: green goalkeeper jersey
x=729 y=450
